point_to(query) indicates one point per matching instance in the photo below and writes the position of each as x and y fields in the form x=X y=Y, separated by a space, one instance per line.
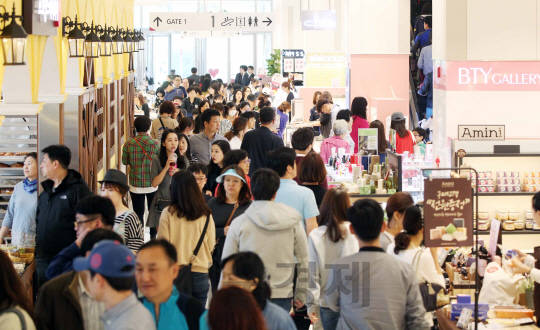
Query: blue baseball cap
x=230 y=171
x=108 y=258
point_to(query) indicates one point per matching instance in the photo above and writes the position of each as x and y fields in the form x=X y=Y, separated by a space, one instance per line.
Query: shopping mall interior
x=223 y=140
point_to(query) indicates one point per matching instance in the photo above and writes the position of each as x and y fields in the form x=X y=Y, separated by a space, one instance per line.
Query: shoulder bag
x=218 y=248
x=433 y=295
x=183 y=281
x=18 y=313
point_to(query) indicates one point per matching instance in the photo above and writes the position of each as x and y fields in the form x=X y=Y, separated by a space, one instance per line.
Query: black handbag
x=433 y=295
x=161 y=204
x=183 y=281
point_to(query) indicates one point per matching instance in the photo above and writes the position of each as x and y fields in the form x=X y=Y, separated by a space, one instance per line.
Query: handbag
x=18 y=313
x=433 y=295
x=218 y=248
x=161 y=204
x=183 y=281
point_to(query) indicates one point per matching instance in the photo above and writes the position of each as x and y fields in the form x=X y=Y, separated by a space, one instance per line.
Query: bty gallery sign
x=488 y=76
x=481 y=133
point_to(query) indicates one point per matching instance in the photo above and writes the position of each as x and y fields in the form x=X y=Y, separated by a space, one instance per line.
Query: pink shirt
x=358 y=122
x=334 y=141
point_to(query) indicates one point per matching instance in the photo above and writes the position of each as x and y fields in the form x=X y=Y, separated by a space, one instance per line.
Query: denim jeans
x=200 y=287
x=284 y=303
x=329 y=318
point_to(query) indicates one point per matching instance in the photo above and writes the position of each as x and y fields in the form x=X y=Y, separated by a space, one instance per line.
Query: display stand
x=475 y=209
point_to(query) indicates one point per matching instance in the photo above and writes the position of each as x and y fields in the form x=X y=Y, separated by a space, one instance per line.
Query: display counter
x=446 y=324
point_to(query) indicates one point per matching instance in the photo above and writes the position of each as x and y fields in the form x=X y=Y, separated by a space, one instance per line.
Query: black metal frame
x=475 y=228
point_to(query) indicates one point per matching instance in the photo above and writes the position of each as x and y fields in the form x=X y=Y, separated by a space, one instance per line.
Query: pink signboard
x=486 y=76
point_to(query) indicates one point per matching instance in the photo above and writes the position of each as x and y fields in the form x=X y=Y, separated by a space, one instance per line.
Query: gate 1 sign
x=448 y=213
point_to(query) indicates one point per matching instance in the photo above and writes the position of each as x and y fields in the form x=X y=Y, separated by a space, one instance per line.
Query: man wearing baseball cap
x=110 y=268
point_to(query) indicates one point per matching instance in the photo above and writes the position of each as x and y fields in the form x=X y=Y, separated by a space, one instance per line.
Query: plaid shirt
x=139 y=164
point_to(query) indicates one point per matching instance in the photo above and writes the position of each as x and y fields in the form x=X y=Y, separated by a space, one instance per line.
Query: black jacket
x=189 y=107
x=56 y=214
x=257 y=143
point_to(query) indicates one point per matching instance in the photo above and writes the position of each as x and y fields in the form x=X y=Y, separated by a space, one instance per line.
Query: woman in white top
x=237 y=132
x=408 y=248
x=327 y=243
x=395 y=208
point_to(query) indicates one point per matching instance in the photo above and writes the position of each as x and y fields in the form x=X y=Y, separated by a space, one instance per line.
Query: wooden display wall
x=105 y=122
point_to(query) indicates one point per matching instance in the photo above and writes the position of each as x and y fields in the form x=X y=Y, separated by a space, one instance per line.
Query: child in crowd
x=420 y=135
x=200 y=172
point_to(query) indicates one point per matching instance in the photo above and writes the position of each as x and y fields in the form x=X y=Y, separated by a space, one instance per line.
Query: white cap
x=266 y=91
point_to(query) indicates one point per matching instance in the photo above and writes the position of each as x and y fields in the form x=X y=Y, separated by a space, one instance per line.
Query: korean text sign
x=448 y=213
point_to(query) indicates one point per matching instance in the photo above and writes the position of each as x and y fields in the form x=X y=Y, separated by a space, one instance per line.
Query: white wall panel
x=501 y=30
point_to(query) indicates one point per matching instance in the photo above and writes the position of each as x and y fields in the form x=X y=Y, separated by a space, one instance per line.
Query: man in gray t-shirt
x=110 y=268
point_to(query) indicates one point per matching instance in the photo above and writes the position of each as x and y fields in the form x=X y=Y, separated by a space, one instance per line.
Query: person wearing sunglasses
x=92 y=212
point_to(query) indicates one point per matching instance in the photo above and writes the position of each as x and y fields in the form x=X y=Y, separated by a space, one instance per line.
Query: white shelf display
x=503 y=186
x=18 y=137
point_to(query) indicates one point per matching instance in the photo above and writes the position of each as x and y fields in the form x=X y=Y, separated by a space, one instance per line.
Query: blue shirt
x=424 y=37
x=170 y=316
x=277 y=318
x=21 y=210
x=129 y=314
x=283 y=120
x=176 y=91
x=300 y=198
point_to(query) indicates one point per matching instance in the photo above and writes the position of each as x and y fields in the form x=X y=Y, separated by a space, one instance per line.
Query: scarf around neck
x=30 y=186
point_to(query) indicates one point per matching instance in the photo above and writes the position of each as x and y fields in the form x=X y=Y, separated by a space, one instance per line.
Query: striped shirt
x=130 y=228
x=91 y=309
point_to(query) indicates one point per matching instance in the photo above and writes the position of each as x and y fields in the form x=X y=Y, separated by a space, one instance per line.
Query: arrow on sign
x=269 y=21
x=157 y=20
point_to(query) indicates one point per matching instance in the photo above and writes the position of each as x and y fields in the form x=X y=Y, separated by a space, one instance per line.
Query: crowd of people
x=238 y=223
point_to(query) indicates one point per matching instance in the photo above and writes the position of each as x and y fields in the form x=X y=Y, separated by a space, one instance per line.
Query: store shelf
x=12 y=158
x=5 y=186
x=507 y=194
x=512 y=232
x=501 y=155
x=367 y=196
x=8 y=149
x=6 y=195
x=11 y=169
x=19 y=132
x=18 y=141
x=20 y=124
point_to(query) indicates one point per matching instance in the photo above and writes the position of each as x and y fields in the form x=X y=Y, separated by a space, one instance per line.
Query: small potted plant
x=528 y=286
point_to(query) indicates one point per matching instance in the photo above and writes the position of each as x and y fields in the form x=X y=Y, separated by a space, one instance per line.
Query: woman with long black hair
x=246 y=270
x=218 y=151
x=183 y=223
x=404 y=138
x=161 y=174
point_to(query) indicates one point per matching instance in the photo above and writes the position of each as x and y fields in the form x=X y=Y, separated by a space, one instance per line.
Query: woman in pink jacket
x=359 y=116
x=340 y=129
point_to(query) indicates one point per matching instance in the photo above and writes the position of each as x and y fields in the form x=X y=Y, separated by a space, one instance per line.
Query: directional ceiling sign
x=222 y=21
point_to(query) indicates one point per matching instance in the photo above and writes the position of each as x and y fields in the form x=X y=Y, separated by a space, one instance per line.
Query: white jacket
x=322 y=253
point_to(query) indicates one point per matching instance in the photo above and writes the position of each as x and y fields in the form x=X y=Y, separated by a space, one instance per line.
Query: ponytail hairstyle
x=412 y=224
x=398 y=202
x=238 y=125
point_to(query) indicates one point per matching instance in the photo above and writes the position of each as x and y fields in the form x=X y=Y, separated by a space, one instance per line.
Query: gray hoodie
x=274 y=231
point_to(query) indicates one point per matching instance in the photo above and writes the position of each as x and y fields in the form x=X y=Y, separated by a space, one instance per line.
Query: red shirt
x=404 y=144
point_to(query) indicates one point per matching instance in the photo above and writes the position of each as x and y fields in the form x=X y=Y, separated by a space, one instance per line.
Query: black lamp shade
x=135 y=43
x=117 y=44
x=128 y=43
x=76 y=39
x=14 y=44
x=106 y=45
x=92 y=45
x=141 y=42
